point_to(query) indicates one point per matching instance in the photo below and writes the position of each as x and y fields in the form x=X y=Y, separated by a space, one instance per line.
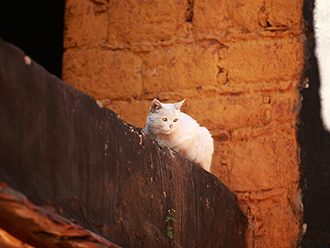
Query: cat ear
x=155 y=105
x=178 y=105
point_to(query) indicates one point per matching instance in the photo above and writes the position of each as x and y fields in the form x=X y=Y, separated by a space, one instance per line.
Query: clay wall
x=237 y=63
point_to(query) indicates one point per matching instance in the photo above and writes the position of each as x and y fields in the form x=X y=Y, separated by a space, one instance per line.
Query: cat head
x=164 y=118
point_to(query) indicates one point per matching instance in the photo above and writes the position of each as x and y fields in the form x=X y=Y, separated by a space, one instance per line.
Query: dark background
x=315 y=153
x=37 y=28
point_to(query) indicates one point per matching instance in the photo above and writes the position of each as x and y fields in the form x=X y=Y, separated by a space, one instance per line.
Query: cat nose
x=170 y=126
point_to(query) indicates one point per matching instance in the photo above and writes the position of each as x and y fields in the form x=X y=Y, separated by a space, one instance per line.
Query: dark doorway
x=37 y=28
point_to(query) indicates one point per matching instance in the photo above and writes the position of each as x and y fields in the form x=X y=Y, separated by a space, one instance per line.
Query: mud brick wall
x=237 y=63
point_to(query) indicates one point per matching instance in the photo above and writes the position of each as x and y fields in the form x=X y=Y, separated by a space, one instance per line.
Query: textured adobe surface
x=67 y=152
x=238 y=64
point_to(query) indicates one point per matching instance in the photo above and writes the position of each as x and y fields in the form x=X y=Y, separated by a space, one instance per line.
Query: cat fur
x=177 y=130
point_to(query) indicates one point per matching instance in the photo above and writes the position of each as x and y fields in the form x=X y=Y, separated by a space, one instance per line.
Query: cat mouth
x=168 y=131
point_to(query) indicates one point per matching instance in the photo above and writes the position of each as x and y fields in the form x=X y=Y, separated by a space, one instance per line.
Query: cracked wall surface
x=237 y=63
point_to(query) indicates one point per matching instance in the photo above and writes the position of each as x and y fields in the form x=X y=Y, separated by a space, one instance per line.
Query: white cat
x=177 y=130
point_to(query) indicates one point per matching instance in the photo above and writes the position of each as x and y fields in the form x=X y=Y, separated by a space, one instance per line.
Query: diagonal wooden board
x=66 y=151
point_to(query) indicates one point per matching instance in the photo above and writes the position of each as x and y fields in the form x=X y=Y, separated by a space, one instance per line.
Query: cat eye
x=164 y=119
x=175 y=120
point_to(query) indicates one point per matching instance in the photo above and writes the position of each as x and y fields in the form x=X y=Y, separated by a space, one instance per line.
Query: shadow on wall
x=315 y=156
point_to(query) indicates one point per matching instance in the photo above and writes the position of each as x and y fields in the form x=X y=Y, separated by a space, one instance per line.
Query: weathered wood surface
x=40 y=227
x=66 y=151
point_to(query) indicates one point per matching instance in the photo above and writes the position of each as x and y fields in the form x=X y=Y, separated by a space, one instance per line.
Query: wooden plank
x=66 y=151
